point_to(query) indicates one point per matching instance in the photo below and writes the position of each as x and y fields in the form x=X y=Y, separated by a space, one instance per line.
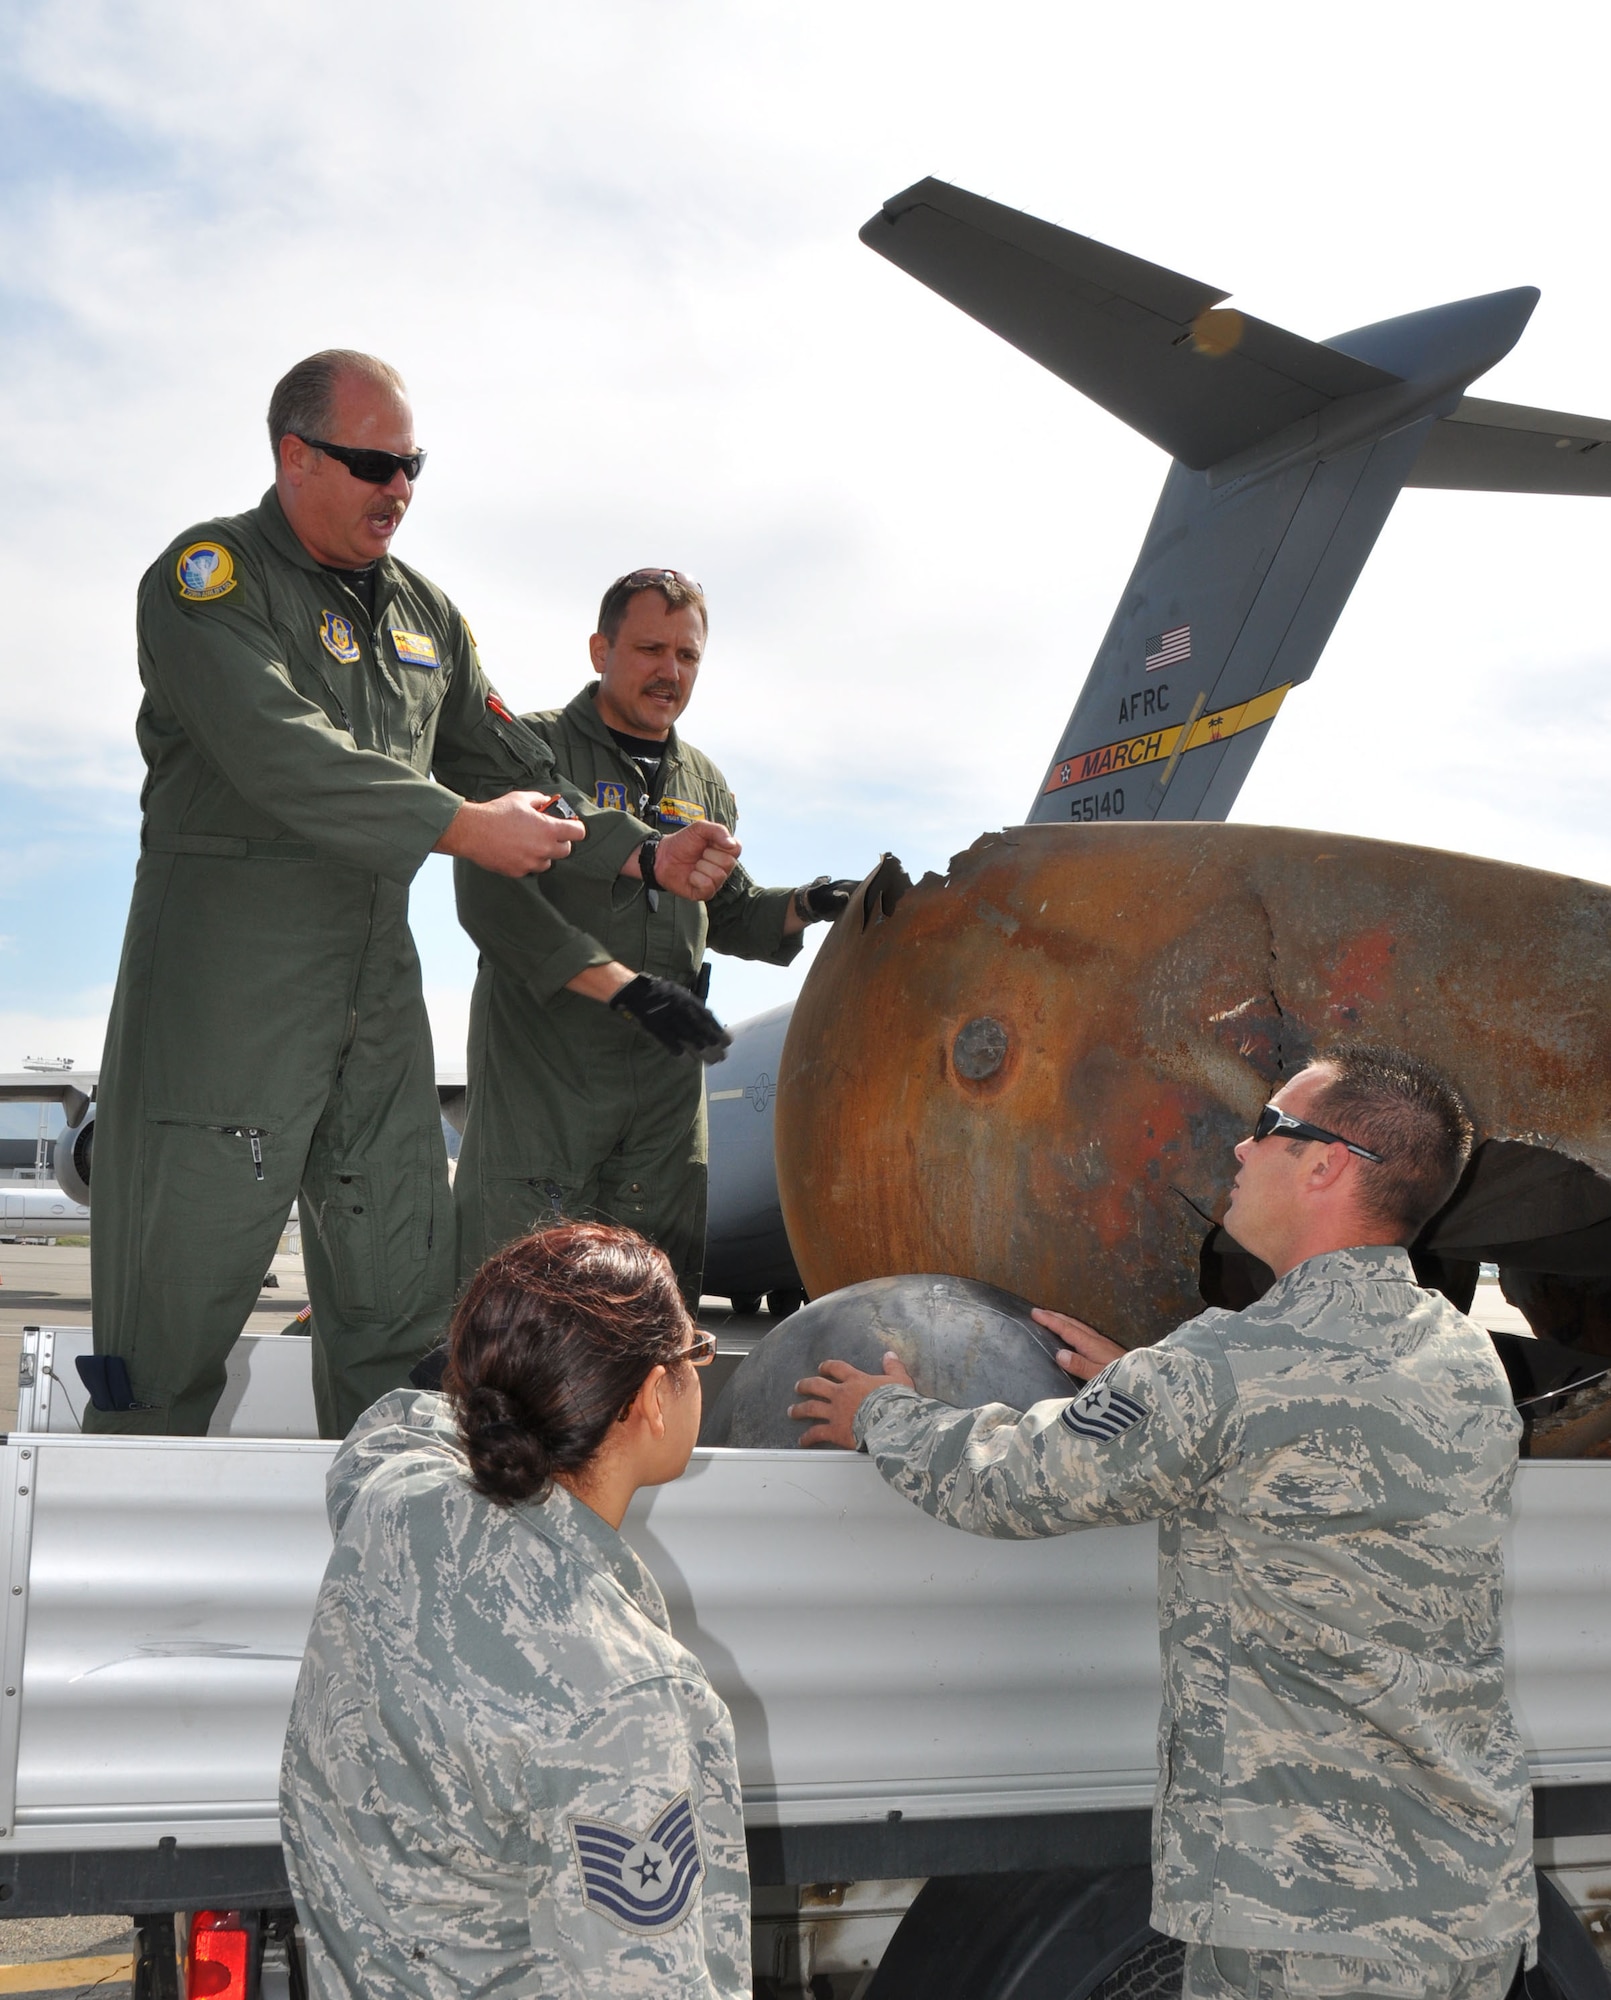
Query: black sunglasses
x=374 y=468
x=1270 y=1121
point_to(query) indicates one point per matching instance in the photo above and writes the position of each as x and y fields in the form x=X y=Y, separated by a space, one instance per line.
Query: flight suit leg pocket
x=513 y=1207
x=348 y=1227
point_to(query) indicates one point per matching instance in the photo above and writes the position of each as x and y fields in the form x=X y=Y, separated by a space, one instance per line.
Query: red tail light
x=220 y=1951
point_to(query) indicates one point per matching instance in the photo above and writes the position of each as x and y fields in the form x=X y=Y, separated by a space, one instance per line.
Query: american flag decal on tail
x=1169 y=649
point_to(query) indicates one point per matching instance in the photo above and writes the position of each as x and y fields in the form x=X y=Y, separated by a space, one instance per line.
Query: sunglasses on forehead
x=374 y=468
x=700 y=1350
x=1270 y=1121
x=646 y=579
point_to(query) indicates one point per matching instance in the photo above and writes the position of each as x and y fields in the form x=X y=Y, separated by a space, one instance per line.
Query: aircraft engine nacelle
x=72 y=1156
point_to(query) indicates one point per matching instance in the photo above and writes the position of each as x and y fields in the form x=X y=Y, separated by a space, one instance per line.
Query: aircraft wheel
x=785 y=1300
x=746 y=1304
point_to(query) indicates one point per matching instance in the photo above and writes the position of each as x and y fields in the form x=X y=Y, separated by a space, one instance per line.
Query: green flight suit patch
x=415 y=649
x=679 y=812
x=205 y=570
x=336 y=636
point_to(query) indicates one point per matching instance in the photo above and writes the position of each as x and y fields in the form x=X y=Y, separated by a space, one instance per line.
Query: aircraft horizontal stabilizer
x=1149 y=345
x=1484 y=447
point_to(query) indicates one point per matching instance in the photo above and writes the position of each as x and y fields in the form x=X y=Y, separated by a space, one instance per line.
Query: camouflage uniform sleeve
x=640 y=1881
x=1134 y=1444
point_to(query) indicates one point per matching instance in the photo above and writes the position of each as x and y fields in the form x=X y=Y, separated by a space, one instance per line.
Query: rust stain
x=1360 y=973
x=1151 y=984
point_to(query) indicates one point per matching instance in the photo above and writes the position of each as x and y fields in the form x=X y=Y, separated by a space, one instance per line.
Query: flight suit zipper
x=650 y=896
x=352 y=991
x=254 y=1134
x=428 y=715
x=341 y=706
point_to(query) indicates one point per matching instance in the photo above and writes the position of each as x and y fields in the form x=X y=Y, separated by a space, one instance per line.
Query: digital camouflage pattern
x=503 y=1775
x=1331 y=1470
x=1218 y=1972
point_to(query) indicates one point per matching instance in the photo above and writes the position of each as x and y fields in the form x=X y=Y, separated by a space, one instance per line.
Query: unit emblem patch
x=1102 y=1412
x=641 y=1882
x=679 y=812
x=336 y=634
x=205 y=570
x=415 y=649
x=612 y=794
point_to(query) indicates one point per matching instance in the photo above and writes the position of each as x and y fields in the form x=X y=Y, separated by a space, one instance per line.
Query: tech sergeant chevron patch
x=641 y=1882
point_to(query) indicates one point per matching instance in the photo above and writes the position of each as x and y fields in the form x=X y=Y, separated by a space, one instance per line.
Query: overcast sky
x=613 y=248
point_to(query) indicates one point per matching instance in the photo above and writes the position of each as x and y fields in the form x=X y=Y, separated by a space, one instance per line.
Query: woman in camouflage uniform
x=503 y=1774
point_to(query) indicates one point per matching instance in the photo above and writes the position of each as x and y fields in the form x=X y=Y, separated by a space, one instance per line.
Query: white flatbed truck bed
x=910 y=1702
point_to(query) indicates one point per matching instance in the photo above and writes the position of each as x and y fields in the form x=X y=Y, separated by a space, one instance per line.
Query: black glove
x=674 y=1017
x=821 y=901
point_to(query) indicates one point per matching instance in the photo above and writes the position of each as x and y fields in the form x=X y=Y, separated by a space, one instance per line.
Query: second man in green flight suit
x=573 y=1112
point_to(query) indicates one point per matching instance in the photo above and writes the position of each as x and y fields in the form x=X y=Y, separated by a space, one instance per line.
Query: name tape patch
x=205 y=570
x=1102 y=1412
x=642 y=1882
x=336 y=636
x=679 y=812
x=414 y=649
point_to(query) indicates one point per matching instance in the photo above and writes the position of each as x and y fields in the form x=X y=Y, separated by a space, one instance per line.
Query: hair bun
x=552 y=1339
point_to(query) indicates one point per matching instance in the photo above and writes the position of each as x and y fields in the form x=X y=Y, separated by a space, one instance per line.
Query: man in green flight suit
x=571 y=1112
x=315 y=722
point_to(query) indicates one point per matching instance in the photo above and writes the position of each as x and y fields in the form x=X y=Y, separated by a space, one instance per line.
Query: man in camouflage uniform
x=315 y=722
x=1343 y=1805
x=572 y=1111
x=502 y=1774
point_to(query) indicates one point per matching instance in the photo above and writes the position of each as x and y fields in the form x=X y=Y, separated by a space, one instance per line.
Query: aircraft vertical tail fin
x=1289 y=454
x=1230 y=604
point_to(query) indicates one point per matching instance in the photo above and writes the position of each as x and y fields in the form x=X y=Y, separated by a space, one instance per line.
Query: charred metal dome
x=1031 y=1071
